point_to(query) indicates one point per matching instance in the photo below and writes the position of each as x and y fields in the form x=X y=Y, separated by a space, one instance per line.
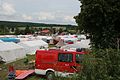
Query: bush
x=101 y=65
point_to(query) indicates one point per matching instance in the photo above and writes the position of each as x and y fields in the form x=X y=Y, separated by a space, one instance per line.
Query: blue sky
x=42 y=11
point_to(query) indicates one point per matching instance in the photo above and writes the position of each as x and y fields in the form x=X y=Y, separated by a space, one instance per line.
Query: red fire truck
x=57 y=62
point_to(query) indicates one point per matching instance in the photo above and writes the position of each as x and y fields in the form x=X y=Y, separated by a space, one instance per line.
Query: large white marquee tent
x=81 y=44
x=31 y=46
x=66 y=38
x=10 y=51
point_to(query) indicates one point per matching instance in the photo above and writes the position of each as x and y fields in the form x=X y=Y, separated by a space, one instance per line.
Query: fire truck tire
x=50 y=75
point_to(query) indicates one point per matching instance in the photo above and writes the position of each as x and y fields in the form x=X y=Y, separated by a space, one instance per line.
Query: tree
x=101 y=19
x=17 y=31
x=60 y=30
x=4 y=29
x=27 y=30
x=53 y=30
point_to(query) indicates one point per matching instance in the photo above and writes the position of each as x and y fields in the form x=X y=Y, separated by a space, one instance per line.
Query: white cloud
x=69 y=18
x=45 y=16
x=26 y=17
x=54 y=17
x=8 y=9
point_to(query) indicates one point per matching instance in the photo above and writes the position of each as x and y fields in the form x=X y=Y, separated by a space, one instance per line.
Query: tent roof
x=44 y=37
x=45 y=31
x=10 y=39
x=33 y=43
x=68 y=37
x=82 y=36
x=1 y=41
x=4 y=46
x=82 y=44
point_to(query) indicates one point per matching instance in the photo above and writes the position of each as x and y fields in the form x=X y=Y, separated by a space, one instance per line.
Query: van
x=55 y=62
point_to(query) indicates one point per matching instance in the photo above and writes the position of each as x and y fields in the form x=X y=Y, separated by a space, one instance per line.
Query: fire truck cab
x=57 y=62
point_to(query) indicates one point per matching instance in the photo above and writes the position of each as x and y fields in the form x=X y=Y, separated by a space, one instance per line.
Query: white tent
x=43 y=37
x=47 y=39
x=10 y=51
x=68 y=38
x=81 y=44
x=81 y=37
x=32 y=46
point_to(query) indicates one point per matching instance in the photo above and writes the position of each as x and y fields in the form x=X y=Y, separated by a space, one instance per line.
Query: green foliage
x=101 y=65
x=60 y=30
x=101 y=19
x=72 y=31
x=22 y=24
x=31 y=28
x=17 y=31
x=27 y=30
x=26 y=61
x=4 y=29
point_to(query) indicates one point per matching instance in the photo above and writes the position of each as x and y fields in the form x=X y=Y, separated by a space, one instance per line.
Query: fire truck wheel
x=50 y=75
